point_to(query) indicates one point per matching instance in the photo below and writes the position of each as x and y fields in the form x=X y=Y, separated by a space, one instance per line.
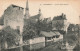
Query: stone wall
x=36 y=43
x=13 y=17
x=37 y=46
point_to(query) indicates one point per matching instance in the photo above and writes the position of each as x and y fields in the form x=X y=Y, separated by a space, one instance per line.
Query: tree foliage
x=72 y=39
x=32 y=30
x=44 y=25
x=29 y=31
x=9 y=35
x=59 y=25
x=77 y=48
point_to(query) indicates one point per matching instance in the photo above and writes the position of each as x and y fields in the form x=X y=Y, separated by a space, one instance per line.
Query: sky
x=69 y=7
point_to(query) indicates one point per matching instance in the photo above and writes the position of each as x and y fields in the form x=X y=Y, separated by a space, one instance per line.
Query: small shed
x=52 y=36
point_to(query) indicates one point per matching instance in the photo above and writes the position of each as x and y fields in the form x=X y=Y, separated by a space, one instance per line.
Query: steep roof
x=56 y=32
x=35 y=16
x=49 y=34
x=16 y=6
x=61 y=17
x=71 y=25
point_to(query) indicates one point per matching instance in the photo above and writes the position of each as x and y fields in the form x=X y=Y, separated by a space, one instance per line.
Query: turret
x=27 y=11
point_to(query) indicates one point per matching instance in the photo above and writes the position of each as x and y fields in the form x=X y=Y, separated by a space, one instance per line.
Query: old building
x=73 y=28
x=13 y=17
x=31 y=19
x=37 y=17
x=59 y=22
x=27 y=15
x=51 y=37
x=47 y=20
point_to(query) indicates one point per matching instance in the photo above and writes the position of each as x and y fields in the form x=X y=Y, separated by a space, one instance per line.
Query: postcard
x=39 y=25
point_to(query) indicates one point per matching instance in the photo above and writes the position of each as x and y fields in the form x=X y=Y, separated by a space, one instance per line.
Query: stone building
x=37 y=17
x=31 y=19
x=52 y=36
x=47 y=20
x=73 y=28
x=59 y=22
x=13 y=17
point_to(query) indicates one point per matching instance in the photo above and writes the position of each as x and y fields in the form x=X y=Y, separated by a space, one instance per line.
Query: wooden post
x=5 y=44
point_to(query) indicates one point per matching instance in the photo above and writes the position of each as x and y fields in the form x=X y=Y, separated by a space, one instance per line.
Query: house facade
x=59 y=22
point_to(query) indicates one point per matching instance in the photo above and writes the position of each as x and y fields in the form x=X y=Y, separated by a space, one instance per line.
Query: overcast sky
x=70 y=8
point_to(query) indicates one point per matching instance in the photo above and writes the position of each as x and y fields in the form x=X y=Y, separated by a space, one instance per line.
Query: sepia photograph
x=39 y=25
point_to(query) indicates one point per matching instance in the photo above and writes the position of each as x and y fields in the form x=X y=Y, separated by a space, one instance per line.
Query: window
x=53 y=37
x=57 y=36
x=49 y=38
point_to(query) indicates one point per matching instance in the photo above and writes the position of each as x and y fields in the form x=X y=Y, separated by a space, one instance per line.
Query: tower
x=27 y=11
x=40 y=14
x=39 y=11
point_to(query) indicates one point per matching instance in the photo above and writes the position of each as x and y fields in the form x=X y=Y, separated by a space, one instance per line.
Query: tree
x=8 y=37
x=32 y=30
x=72 y=39
x=29 y=31
x=59 y=25
x=44 y=26
x=38 y=26
x=77 y=48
